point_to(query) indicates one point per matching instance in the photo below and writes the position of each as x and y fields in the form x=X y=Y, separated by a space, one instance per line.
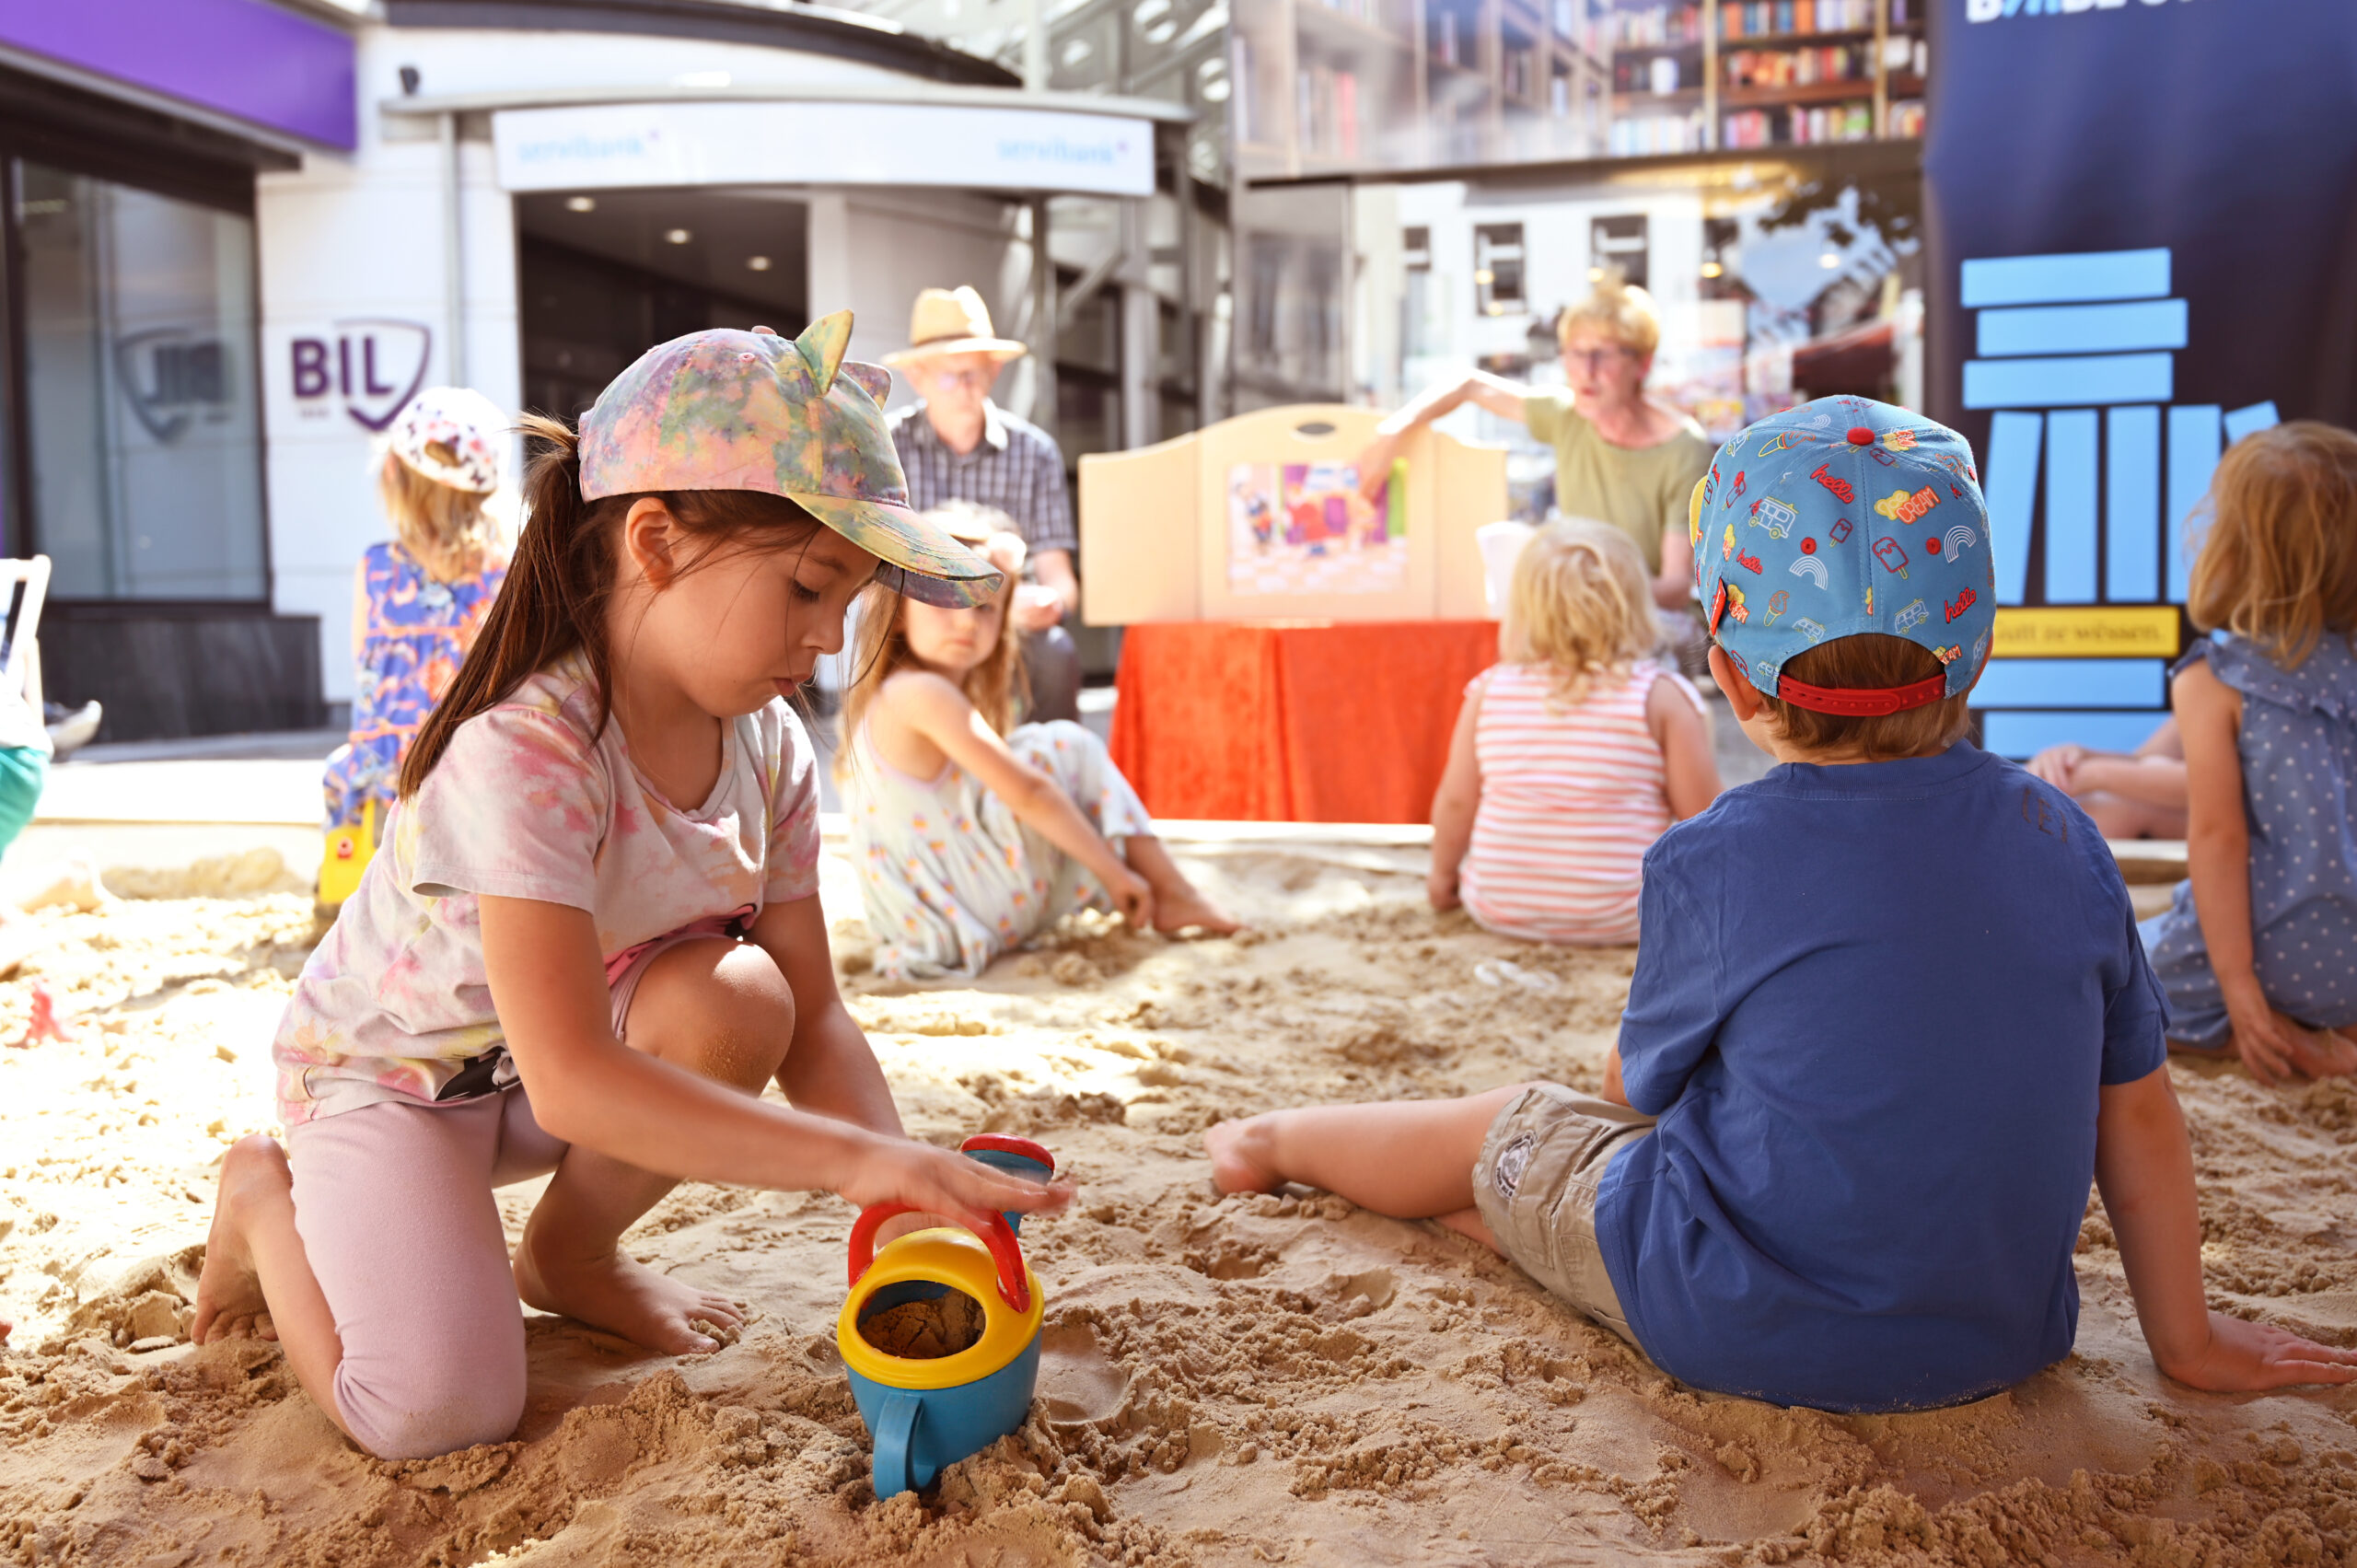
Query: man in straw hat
x=956 y=444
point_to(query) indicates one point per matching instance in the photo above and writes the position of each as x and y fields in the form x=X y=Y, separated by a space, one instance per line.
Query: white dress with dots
x=2298 y=745
x=950 y=877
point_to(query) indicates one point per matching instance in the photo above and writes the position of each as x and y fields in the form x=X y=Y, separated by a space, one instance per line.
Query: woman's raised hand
x=1374 y=464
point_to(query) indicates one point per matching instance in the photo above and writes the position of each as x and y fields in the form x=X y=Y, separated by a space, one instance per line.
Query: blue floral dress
x=419 y=630
x=2298 y=745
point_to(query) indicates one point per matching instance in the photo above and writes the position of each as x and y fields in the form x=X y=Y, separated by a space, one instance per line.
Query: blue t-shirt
x=1872 y=1008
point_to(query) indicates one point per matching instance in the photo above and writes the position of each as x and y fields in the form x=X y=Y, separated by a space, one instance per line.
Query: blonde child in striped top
x=1572 y=754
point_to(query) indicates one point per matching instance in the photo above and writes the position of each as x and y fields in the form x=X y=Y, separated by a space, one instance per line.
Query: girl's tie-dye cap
x=724 y=410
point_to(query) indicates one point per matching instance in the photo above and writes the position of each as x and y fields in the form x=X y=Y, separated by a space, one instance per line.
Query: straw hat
x=953 y=320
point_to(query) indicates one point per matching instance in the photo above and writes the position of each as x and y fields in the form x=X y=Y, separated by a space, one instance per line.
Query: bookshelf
x=1322 y=85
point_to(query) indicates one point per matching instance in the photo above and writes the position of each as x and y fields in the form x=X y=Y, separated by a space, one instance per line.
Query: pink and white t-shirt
x=1572 y=794
x=525 y=803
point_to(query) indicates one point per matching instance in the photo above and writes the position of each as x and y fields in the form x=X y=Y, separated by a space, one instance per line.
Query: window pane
x=139 y=353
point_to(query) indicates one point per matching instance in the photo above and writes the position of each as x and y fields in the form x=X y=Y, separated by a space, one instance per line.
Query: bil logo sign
x=368 y=367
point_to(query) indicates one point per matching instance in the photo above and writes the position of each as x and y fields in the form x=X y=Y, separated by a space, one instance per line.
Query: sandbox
x=1277 y=1378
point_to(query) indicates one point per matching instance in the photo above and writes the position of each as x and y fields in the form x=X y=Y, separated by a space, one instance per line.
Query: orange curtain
x=1293 y=723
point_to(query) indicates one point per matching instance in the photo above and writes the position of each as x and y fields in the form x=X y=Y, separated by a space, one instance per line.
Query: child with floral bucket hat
x=1890 y=1015
x=592 y=935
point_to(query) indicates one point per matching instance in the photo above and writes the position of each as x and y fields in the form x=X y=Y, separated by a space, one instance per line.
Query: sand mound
x=1275 y=1378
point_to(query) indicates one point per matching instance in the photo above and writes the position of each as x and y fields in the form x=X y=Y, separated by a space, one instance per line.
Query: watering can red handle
x=1014 y=1279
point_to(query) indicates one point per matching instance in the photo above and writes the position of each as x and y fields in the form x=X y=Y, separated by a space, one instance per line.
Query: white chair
x=1500 y=544
x=25 y=584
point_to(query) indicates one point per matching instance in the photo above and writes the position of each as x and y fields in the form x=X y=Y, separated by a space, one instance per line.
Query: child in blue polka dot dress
x=2259 y=948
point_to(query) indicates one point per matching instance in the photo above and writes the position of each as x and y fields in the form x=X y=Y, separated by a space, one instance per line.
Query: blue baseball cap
x=1840 y=517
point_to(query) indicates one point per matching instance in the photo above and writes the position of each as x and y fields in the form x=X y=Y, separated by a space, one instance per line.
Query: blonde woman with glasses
x=1621 y=456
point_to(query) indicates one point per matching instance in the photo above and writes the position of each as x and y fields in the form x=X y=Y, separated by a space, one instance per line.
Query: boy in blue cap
x=1890 y=1017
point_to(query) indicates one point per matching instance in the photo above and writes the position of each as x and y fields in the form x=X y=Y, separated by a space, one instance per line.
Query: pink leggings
x=394 y=1205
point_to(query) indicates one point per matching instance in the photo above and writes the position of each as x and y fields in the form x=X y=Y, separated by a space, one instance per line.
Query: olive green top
x=1639 y=490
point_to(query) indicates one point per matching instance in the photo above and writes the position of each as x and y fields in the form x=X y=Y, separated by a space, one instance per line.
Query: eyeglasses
x=1594 y=358
x=978 y=379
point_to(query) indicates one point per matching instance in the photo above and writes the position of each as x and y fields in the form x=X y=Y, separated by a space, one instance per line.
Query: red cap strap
x=1860 y=702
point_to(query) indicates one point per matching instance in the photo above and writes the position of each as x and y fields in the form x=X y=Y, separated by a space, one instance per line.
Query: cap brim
x=920 y=559
x=1007 y=347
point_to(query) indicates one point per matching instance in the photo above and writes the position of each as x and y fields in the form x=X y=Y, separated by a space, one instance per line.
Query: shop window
x=1617 y=246
x=1497 y=270
x=141 y=398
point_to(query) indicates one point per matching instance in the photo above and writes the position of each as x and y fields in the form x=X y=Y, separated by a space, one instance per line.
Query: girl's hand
x=2244 y=1357
x=2057 y=765
x=2274 y=1047
x=1132 y=895
x=899 y=1171
x=1441 y=891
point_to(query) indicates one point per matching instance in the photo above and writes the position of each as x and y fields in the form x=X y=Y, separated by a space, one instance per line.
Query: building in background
x=238 y=249
x=133 y=450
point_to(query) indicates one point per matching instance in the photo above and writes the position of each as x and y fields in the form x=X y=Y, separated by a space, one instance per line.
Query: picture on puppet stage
x=1304 y=528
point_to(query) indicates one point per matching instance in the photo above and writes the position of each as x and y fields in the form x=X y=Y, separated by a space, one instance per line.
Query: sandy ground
x=1225 y=1381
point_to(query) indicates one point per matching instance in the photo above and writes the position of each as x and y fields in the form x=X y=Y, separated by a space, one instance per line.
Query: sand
x=1272 y=1378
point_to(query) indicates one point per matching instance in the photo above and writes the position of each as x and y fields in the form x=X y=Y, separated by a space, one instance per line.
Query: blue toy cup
x=925 y=1415
x=1017 y=1156
x=919 y=1432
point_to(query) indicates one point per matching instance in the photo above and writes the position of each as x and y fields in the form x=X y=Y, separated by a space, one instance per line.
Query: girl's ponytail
x=553 y=602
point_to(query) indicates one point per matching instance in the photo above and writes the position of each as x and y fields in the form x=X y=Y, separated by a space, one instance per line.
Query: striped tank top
x=1571 y=794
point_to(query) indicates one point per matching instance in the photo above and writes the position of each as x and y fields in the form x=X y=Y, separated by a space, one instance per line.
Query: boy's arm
x=2144 y=1169
x=1455 y=803
x=830 y=1068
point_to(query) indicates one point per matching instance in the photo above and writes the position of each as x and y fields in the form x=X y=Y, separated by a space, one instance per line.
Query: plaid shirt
x=1017 y=467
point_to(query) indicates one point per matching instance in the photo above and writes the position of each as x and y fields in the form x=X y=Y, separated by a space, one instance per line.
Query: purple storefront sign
x=244 y=58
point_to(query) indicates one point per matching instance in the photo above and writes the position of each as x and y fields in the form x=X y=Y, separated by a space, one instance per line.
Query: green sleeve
x=1677 y=501
x=1543 y=414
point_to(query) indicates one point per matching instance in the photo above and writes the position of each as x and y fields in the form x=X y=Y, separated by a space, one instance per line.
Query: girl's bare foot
x=255 y=1182
x=1239 y=1152
x=2326 y=1053
x=620 y=1296
x=1179 y=906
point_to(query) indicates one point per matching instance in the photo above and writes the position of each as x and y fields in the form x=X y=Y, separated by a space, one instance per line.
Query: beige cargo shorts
x=1535 y=1185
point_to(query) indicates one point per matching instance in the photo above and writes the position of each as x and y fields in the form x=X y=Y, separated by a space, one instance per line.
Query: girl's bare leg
x=719 y=1009
x=1411 y=1159
x=2118 y=816
x=257 y=1280
x=1177 y=904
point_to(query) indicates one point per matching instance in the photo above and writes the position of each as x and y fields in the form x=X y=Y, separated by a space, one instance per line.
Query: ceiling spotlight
x=758 y=263
x=1828 y=260
x=677 y=235
x=581 y=203
x=1712 y=269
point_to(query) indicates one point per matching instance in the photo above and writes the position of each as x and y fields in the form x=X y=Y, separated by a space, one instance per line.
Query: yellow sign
x=2095 y=632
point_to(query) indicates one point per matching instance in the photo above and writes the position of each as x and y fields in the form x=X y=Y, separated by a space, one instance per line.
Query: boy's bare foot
x=1240 y=1156
x=254 y=1178
x=1175 y=909
x=623 y=1297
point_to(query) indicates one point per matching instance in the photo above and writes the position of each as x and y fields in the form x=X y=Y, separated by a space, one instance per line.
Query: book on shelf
x=1907 y=118
x=1656 y=24
x=1765 y=19
x=1798 y=67
x=1326 y=106
x=1637 y=135
x=1797 y=126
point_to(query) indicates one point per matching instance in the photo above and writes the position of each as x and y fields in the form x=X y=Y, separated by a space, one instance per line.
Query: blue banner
x=2142 y=245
